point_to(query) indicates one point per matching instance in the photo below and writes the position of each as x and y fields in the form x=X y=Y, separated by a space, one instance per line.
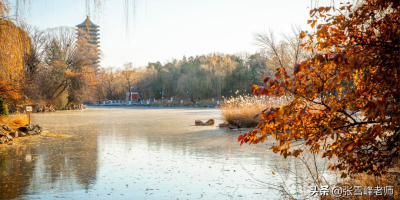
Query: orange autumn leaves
x=14 y=45
x=346 y=96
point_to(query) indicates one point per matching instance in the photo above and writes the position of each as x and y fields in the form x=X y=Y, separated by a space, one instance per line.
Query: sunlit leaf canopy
x=346 y=95
x=14 y=44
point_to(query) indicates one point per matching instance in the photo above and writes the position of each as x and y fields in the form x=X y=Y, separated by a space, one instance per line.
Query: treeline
x=199 y=77
x=205 y=76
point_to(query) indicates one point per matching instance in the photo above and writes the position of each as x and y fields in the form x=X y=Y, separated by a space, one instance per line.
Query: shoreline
x=150 y=106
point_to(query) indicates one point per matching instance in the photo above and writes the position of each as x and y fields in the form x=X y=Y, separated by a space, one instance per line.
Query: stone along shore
x=7 y=134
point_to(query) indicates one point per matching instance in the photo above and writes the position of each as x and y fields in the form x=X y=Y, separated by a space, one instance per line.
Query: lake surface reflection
x=139 y=153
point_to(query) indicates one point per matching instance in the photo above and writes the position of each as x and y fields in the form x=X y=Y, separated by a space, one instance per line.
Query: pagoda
x=90 y=31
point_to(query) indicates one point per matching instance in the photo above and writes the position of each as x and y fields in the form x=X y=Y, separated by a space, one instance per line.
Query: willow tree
x=346 y=97
x=14 y=45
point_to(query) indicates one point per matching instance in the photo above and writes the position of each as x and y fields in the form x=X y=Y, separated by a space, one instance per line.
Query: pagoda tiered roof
x=87 y=23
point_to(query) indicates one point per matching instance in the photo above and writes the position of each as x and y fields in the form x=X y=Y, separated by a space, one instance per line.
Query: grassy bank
x=14 y=121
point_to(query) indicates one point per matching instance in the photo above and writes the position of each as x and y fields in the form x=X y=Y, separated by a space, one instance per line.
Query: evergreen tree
x=3 y=107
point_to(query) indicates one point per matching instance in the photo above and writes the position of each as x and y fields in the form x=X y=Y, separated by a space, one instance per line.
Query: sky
x=162 y=30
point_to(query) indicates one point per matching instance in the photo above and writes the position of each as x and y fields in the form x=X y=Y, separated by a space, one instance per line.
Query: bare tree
x=129 y=75
x=109 y=79
x=293 y=40
x=37 y=42
x=274 y=48
x=281 y=53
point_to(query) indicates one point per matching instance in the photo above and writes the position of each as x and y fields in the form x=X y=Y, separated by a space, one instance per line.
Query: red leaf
x=265 y=79
x=302 y=35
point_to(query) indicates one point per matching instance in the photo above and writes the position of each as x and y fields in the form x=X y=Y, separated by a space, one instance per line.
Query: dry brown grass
x=240 y=111
x=14 y=121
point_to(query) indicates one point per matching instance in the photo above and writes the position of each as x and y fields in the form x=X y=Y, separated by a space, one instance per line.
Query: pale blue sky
x=165 y=29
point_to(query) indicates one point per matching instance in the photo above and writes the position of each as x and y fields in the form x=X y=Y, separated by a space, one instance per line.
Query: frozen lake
x=136 y=153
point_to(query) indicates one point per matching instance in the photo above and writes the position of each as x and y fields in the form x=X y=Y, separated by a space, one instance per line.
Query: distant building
x=90 y=31
x=134 y=96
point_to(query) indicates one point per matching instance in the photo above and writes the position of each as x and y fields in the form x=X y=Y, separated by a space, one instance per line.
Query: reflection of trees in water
x=16 y=168
x=64 y=164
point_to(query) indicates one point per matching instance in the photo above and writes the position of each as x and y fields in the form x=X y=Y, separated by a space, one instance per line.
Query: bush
x=3 y=107
x=240 y=111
